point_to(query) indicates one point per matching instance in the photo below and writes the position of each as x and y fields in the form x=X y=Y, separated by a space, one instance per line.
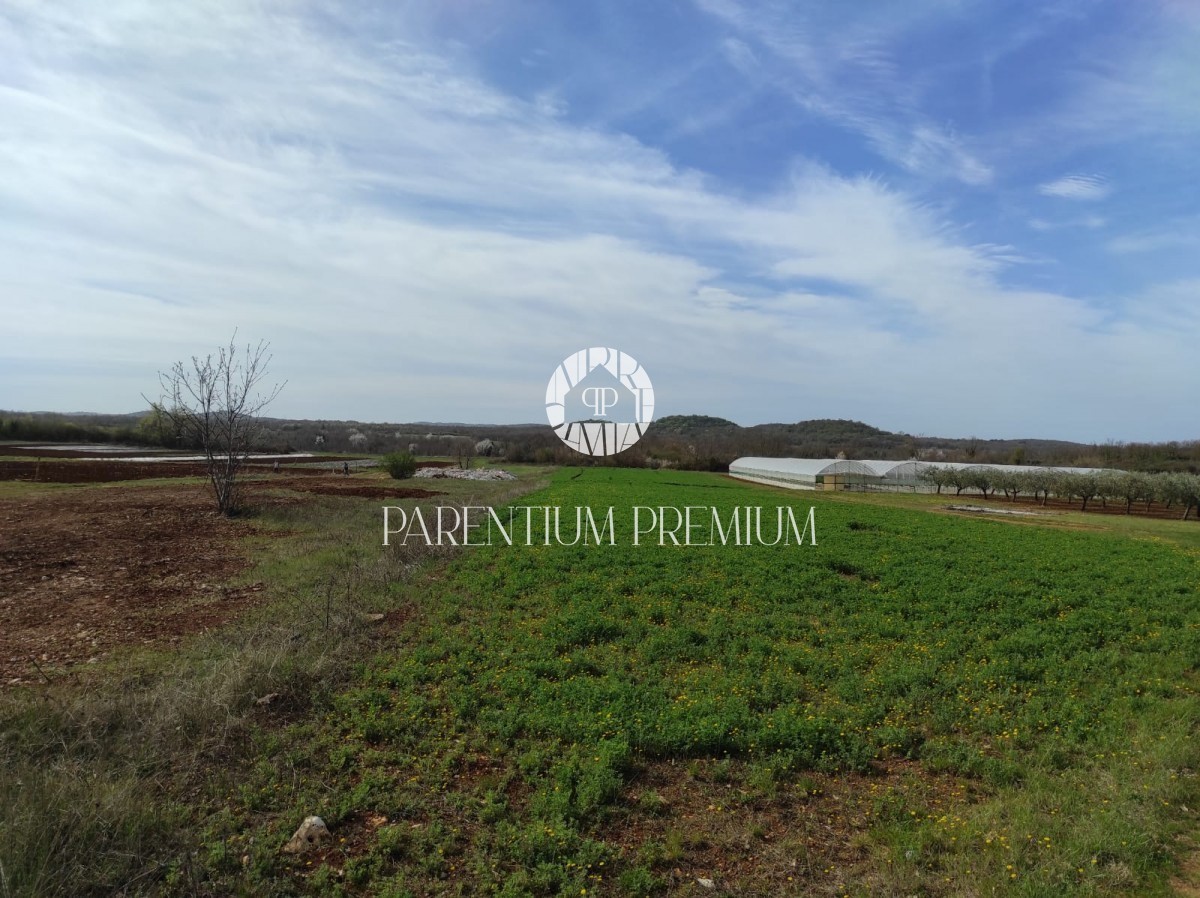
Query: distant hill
x=832 y=431
x=699 y=441
x=827 y=437
x=691 y=423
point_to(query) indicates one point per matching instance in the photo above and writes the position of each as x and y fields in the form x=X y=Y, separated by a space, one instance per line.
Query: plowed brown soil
x=83 y=470
x=1095 y=506
x=342 y=486
x=83 y=571
x=107 y=471
x=101 y=453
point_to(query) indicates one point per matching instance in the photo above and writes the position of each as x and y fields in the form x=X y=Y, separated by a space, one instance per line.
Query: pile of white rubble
x=460 y=474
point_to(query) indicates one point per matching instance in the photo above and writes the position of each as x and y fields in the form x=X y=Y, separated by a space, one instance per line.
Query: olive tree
x=1132 y=487
x=214 y=402
x=982 y=478
x=959 y=478
x=1190 y=494
x=1161 y=490
x=1011 y=483
x=1184 y=489
x=1037 y=482
x=1084 y=484
x=935 y=476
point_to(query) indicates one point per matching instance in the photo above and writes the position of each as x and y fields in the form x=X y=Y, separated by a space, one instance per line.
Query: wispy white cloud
x=1136 y=89
x=1077 y=187
x=550 y=104
x=1179 y=234
x=742 y=58
x=844 y=72
x=1091 y=222
x=420 y=244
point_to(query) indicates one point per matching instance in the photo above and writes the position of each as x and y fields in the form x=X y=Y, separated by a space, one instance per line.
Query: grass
x=920 y=704
x=1182 y=533
x=1016 y=705
x=108 y=778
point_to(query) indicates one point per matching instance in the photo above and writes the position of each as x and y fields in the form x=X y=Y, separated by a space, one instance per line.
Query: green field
x=965 y=706
x=922 y=703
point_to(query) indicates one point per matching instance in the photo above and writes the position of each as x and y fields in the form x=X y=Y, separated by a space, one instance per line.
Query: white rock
x=460 y=474
x=311 y=833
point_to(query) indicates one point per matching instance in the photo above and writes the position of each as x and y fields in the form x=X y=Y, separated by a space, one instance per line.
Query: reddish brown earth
x=79 y=468
x=686 y=822
x=808 y=837
x=104 y=471
x=53 y=471
x=1028 y=503
x=101 y=453
x=84 y=571
x=342 y=486
x=47 y=452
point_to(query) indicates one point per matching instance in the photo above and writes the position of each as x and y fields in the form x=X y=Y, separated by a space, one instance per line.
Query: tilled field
x=1057 y=505
x=103 y=453
x=341 y=486
x=108 y=471
x=84 y=470
x=83 y=571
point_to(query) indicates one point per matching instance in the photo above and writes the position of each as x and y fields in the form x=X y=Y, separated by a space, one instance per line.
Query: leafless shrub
x=215 y=403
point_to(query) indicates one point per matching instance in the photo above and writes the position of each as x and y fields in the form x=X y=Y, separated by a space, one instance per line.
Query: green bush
x=401 y=465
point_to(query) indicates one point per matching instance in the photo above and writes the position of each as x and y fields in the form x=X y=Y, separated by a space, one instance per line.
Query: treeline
x=1128 y=488
x=133 y=430
x=693 y=442
x=697 y=442
x=55 y=429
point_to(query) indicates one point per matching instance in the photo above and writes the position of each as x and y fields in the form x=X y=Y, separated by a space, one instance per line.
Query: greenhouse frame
x=865 y=474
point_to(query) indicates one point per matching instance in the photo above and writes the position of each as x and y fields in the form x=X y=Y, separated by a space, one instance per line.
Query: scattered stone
x=979 y=509
x=372 y=618
x=707 y=883
x=311 y=833
x=460 y=474
x=266 y=699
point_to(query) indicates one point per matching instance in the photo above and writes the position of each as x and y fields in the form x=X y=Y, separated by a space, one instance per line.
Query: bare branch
x=214 y=403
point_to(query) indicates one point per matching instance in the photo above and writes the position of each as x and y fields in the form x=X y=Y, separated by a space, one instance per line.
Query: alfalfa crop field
x=922 y=703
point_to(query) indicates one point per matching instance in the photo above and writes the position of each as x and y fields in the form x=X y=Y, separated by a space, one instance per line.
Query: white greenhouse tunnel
x=847 y=474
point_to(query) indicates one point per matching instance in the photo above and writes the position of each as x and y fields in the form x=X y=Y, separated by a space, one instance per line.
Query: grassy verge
x=1182 y=533
x=107 y=780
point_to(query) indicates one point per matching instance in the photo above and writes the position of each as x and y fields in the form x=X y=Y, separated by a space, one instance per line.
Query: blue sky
x=944 y=218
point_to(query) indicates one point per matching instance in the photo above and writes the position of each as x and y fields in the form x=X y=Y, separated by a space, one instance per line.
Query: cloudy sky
x=944 y=217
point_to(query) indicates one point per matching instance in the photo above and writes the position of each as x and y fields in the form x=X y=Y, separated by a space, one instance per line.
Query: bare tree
x=464 y=451
x=215 y=403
